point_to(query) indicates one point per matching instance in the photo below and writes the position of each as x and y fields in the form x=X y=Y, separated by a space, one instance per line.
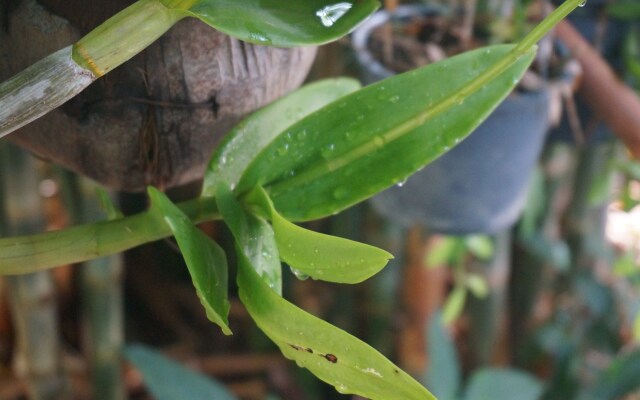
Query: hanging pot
x=156 y=119
x=480 y=186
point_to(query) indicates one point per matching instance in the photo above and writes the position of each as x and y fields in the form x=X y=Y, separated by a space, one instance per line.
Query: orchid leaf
x=277 y=22
x=254 y=236
x=378 y=136
x=252 y=134
x=320 y=256
x=205 y=260
x=331 y=354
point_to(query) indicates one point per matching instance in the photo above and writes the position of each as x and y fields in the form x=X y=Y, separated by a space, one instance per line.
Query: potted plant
x=309 y=155
x=481 y=185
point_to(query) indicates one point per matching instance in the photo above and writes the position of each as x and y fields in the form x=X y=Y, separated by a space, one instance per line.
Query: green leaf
x=168 y=380
x=205 y=260
x=481 y=246
x=254 y=235
x=503 y=384
x=626 y=10
x=477 y=285
x=108 y=206
x=331 y=354
x=631 y=53
x=454 y=305
x=443 y=253
x=281 y=23
x=630 y=168
x=317 y=255
x=378 y=136
x=443 y=376
x=619 y=379
x=251 y=135
x=636 y=328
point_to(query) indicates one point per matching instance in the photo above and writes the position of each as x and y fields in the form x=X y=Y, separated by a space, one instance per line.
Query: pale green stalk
x=20 y=255
x=40 y=88
x=57 y=78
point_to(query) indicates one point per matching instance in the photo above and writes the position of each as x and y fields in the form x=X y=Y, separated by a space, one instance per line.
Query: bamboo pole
x=102 y=302
x=32 y=297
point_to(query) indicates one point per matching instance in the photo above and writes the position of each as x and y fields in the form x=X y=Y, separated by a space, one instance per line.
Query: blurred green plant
x=454 y=251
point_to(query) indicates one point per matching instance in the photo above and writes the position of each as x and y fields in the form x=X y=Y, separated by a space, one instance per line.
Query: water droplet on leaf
x=300 y=275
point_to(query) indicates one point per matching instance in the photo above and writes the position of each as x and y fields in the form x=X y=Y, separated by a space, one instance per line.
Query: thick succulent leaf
x=168 y=380
x=254 y=236
x=282 y=23
x=331 y=354
x=317 y=255
x=378 y=136
x=255 y=132
x=326 y=257
x=205 y=260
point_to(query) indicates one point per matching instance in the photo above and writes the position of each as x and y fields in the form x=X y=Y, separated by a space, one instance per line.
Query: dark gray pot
x=480 y=186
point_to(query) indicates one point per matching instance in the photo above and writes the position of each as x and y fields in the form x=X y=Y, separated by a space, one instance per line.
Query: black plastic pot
x=480 y=186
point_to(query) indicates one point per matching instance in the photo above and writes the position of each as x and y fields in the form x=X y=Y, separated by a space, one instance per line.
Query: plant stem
x=32 y=297
x=102 y=303
x=20 y=255
x=124 y=35
x=40 y=88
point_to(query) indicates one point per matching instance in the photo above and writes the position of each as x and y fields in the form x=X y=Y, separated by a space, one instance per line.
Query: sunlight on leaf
x=206 y=261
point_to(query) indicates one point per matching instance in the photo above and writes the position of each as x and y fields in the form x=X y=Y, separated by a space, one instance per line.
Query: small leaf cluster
x=311 y=154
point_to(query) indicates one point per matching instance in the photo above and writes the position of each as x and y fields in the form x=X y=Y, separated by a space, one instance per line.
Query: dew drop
x=328 y=150
x=283 y=149
x=394 y=99
x=330 y=14
x=300 y=275
x=582 y=3
x=401 y=183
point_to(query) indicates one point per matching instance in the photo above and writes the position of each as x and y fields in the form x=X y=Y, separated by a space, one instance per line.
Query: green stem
x=20 y=255
x=124 y=35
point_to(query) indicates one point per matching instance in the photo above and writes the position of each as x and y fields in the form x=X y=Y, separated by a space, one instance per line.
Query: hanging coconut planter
x=157 y=118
